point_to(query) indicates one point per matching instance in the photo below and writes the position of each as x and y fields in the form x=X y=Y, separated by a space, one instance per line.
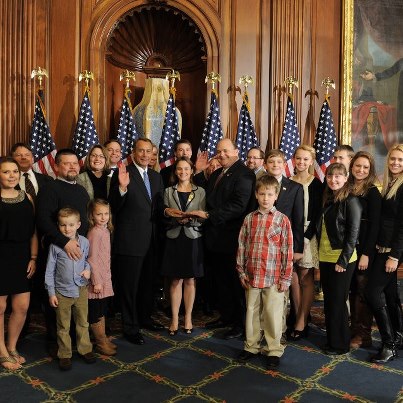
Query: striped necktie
x=29 y=187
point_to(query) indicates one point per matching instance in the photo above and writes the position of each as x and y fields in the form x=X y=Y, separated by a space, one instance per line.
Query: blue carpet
x=201 y=367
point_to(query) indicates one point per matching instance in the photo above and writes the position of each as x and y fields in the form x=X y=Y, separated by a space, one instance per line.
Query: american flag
x=290 y=139
x=42 y=145
x=212 y=132
x=170 y=133
x=325 y=141
x=85 y=135
x=127 y=133
x=246 y=135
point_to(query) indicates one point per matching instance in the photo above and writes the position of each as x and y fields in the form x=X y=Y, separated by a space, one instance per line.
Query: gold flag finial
x=328 y=82
x=39 y=72
x=86 y=75
x=246 y=81
x=172 y=76
x=291 y=82
x=213 y=77
x=127 y=75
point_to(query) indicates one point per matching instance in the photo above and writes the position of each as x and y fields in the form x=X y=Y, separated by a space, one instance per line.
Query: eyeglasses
x=254 y=158
x=100 y=156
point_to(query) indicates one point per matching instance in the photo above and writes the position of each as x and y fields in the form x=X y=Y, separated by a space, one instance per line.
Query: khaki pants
x=79 y=308
x=268 y=304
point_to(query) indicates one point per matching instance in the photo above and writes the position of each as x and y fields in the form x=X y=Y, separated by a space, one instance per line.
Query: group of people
x=242 y=232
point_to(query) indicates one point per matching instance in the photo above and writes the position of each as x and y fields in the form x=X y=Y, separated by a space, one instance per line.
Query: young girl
x=303 y=286
x=100 y=288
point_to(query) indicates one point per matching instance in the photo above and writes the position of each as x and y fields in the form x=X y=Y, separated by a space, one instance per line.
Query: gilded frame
x=372 y=109
x=347 y=71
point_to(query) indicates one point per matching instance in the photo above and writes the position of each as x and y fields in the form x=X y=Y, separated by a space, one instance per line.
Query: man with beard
x=62 y=192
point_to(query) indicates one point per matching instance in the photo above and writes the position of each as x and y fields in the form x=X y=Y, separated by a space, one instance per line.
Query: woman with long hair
x=18 y=251
x=337 y=231
x=362 y=179
x=382 y=293
x=183 y=254
x=303 y=286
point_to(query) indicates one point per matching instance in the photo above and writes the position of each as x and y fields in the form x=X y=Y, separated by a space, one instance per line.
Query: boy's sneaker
x=89 y=358
x=245 y=356
x=65 y=364
x=273 y=361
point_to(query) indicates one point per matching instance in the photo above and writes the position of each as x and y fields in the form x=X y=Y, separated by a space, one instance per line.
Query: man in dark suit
x=230 y=197
x=290 y=202
x=137 y=204
x=22 y=153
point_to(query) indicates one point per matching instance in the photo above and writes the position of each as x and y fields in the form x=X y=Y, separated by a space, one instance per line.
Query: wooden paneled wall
x=266 y=39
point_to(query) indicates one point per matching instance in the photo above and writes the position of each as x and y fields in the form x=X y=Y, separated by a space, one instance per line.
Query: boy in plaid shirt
x=264 y=264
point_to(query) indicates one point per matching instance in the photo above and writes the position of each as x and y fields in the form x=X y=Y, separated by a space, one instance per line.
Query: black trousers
x=230 y=294
x=336 y=287
x=382 y=290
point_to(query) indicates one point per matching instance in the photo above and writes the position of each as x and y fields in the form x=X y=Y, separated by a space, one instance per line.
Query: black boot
x=396 y=318
x=388 y=350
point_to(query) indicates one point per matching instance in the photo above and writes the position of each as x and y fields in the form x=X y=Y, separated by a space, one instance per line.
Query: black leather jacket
x=342 y=220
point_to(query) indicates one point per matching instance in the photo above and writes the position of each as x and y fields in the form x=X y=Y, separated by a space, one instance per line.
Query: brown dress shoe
x=65 y=364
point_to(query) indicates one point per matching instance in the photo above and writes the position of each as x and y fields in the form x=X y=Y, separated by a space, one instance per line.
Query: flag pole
x=171 y=77
x=246 y=81
x=86 y=75
x=291 y=82
x=213 y=78
x=327 y=83
x=39 y=73
x=127 y=75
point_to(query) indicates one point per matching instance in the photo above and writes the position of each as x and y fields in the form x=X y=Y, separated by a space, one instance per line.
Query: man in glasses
x=255 y=161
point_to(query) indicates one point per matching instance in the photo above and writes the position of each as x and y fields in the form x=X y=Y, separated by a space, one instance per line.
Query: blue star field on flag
x=170 y=134
x=127 y=133
x=325 y=141
x=212 y=132
x=41 y=142
x=246 y=135
x=290 y=139
x=85 y=135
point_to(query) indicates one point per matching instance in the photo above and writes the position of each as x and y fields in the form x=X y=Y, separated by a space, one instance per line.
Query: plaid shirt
x=265 y=249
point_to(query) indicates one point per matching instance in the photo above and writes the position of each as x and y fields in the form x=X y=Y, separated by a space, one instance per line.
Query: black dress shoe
x=89 y=358
x=135 y=338
x=153 y=326
x=334 y=351
x=216 y=324
x=273 y=361
x=233 y=333
x=245 y=356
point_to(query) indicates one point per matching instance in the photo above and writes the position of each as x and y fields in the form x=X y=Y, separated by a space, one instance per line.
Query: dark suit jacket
x=228 y=203
x=290 y=202
x=41 y=179
x=135 y=214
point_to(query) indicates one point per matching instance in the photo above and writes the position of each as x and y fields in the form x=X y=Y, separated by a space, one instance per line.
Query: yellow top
x=326 y=253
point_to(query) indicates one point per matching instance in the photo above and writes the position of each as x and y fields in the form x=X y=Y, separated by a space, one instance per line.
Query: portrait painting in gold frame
x=372 y=114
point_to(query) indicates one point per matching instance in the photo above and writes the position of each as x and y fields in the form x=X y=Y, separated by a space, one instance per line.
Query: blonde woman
x=382 y=293
x=303 y=287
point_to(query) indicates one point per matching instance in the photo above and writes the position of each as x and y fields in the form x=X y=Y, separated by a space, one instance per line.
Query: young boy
x=343 y=154
x=264 y=264
x=66 y=281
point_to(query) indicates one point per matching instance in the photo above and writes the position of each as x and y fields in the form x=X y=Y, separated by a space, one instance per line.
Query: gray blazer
x=84 y=180
x=196 y=201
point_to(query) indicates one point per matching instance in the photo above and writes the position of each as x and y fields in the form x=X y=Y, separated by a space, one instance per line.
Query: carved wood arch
x=107 y=14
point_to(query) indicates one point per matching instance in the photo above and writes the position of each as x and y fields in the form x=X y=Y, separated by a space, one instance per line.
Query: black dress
x=16 y=229
x=183 y=257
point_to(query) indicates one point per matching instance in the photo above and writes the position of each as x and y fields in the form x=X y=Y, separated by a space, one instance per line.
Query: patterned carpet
x=201 y=367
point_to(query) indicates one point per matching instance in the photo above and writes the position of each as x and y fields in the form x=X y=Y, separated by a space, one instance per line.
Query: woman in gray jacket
x=183 y=254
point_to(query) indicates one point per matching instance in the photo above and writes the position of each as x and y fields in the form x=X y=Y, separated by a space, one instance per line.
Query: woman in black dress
x=18 y=251
x=183 y=254
x=382 y=293
x=363 y=180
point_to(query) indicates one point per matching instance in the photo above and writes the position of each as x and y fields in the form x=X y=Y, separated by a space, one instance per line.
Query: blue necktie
x=147 y=183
